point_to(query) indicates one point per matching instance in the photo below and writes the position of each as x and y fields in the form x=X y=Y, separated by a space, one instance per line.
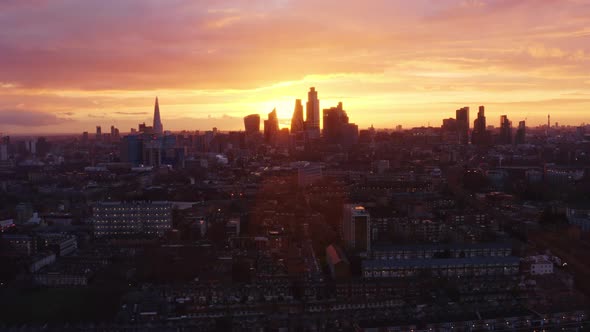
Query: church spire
x=158 y=128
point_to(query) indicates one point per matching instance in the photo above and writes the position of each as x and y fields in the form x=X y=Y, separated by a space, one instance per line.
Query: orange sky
x=68 y=65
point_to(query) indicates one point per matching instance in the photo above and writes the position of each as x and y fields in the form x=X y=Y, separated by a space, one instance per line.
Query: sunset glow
x=67 y=65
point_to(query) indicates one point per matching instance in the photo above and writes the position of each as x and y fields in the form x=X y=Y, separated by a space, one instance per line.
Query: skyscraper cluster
x=336 y=126
x=480 y=135
x=148 y=146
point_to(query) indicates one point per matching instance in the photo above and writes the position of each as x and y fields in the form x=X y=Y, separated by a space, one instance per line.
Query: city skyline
x=213 y=63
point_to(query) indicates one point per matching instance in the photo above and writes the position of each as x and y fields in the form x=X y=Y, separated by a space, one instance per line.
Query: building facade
x=119 y=219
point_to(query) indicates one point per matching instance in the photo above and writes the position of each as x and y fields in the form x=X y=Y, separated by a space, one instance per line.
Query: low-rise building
x=120 y=219
x=445 y=267
x=338 y=262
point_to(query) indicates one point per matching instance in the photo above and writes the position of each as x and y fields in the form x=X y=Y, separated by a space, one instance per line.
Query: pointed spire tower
x=158 y=128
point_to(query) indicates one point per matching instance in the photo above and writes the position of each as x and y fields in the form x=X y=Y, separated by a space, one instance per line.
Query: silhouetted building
x=337 y=130
x=312 y=120
x=131 y=149
x=252 y=124
x=152 y=152
x=98 y=133
x=271 y=128
x=449 y=124
x=158 y=128
x=505 y=130
x=334 y=119
x=114 y=133
x=297 y=122
x=462 y=117
x=480 y=134
x=519 y=137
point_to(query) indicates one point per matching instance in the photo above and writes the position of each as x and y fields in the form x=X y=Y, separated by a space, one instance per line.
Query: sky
x=69 y=65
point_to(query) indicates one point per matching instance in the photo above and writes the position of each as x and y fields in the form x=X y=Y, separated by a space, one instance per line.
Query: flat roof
x=441 y=246
x=382 y=263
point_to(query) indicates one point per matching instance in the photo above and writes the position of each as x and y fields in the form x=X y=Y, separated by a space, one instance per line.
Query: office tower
x=119 y=219
x=152 y=152
x=3 y=152
x=312 y=120
x=505 y=130
x=334 y=120
x=85 y=137
x=131 y=150
x=337 y=130
x=519 y=137
x=158 y=128
x=31 y=146
x=462 y=117
x=98 y=133
x=479 y=125
x=297 y=123
x=449 y=124
x=480 y=133
x=356 y=228
x=252 y=124
x=271 y=127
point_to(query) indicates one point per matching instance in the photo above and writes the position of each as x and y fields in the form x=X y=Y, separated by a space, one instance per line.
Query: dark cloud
x=131 y=113
x=28 y=118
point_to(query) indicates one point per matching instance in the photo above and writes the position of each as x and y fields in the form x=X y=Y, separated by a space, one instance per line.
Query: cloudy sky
x=68 y=65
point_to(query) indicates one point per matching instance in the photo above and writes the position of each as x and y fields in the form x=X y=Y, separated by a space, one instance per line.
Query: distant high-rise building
x=356 y=228
x=297 y=122
x=505 y=130
x=252 y=124
x=158 y=128
x=85 y=137
x=334 y=118
x=271 y=127
x=519 y=137
x=152 y=152
x=337 y=130
x=114 y=133
x=480 y=134
x=449 y=124
x=131 y=149
x=479 y=125
x=3 y=152
x=462 y=117
x=98 y=133
x=312 y=120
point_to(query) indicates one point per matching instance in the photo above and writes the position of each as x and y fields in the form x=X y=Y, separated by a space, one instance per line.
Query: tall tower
x=505 y=130
x=271 y=127
x=252 y=124
x=312 y=121
x=297 y=119
x=462 y=116
x=158 y=128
